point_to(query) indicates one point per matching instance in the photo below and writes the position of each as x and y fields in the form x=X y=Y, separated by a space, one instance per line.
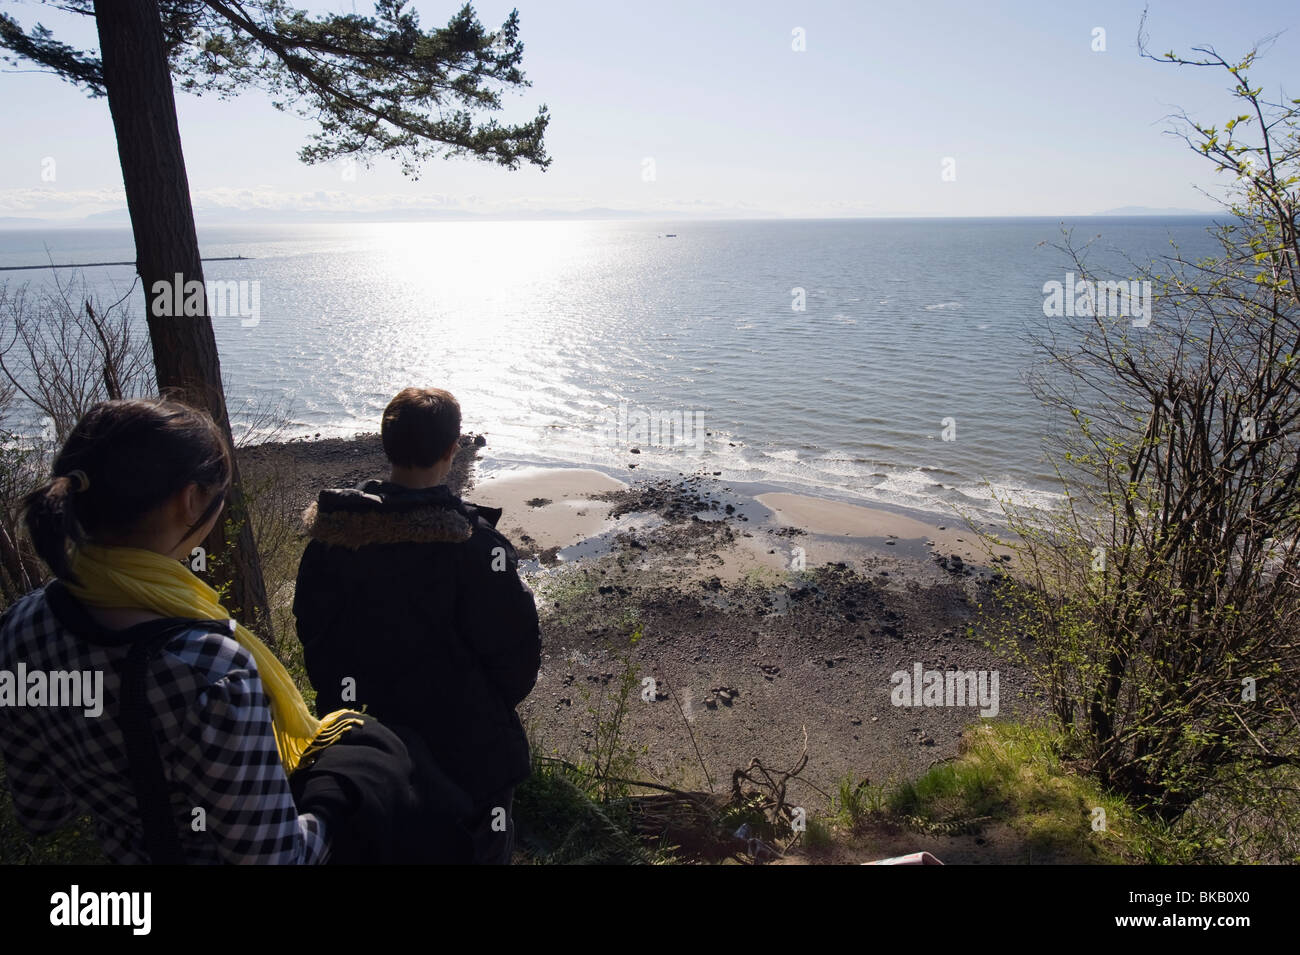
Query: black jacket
x=409 y=604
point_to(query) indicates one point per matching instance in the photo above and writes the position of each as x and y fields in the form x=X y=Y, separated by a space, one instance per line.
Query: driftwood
x=710 y=827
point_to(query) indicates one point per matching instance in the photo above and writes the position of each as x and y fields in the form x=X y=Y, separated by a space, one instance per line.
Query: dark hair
x=132 y=456
x=420 y=425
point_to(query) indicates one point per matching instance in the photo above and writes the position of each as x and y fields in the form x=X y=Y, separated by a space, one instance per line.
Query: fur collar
x=380 y=513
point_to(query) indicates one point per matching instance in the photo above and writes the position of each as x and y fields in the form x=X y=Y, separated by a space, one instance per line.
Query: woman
x=199 y=726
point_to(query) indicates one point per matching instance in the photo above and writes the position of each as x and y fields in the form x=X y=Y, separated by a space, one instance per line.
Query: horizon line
x=18 y=223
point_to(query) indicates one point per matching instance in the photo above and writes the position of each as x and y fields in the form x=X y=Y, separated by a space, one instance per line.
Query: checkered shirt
x=211 y=718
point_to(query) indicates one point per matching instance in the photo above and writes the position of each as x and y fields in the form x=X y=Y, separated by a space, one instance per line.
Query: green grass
x=818 y=836
x=74 y=844
x=765 y=577
x=562 y=594
x=854 y=805
x=1012 y=774
x=561 y=823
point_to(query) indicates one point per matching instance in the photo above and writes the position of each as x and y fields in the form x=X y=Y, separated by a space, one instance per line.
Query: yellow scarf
x=121 y=577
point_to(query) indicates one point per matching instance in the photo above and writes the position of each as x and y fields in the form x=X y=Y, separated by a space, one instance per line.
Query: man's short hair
x=420 y=425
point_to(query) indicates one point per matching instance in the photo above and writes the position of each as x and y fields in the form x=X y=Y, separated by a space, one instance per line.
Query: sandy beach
x=547 y=509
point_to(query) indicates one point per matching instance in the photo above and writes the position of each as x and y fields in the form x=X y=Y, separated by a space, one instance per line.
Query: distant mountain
x=1150 y=211
x=229 y=215
x=112 y=215
x=21 y=222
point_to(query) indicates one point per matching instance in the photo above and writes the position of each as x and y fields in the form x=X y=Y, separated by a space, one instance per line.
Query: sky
x=1010 y=99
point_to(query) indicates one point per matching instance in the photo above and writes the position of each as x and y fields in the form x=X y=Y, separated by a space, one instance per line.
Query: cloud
x=59 y=203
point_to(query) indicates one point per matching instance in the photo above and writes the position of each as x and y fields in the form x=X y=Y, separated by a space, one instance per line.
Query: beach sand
x=547 y=508
x=841 y=519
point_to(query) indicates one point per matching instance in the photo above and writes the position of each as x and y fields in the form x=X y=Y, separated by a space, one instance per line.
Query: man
x=409 y=604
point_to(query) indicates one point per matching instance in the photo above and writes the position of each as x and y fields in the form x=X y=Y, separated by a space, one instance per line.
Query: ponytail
x=52 y=523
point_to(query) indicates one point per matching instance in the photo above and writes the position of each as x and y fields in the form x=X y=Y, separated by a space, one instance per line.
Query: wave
x=785 y=455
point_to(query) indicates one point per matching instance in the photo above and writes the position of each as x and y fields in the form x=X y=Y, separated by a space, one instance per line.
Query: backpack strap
x=148 y=777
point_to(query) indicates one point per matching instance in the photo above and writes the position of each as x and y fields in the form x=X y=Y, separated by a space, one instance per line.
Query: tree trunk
x=140 y=97
x=16 y=580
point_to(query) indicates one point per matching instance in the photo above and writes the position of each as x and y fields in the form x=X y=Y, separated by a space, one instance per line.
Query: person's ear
x=190 y=503
x=451 y=451
x=182 y=510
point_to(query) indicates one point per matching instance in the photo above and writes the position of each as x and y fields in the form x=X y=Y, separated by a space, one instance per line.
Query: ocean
x=881 y=361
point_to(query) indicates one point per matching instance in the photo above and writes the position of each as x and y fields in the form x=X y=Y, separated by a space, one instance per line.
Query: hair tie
x=83 y=481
